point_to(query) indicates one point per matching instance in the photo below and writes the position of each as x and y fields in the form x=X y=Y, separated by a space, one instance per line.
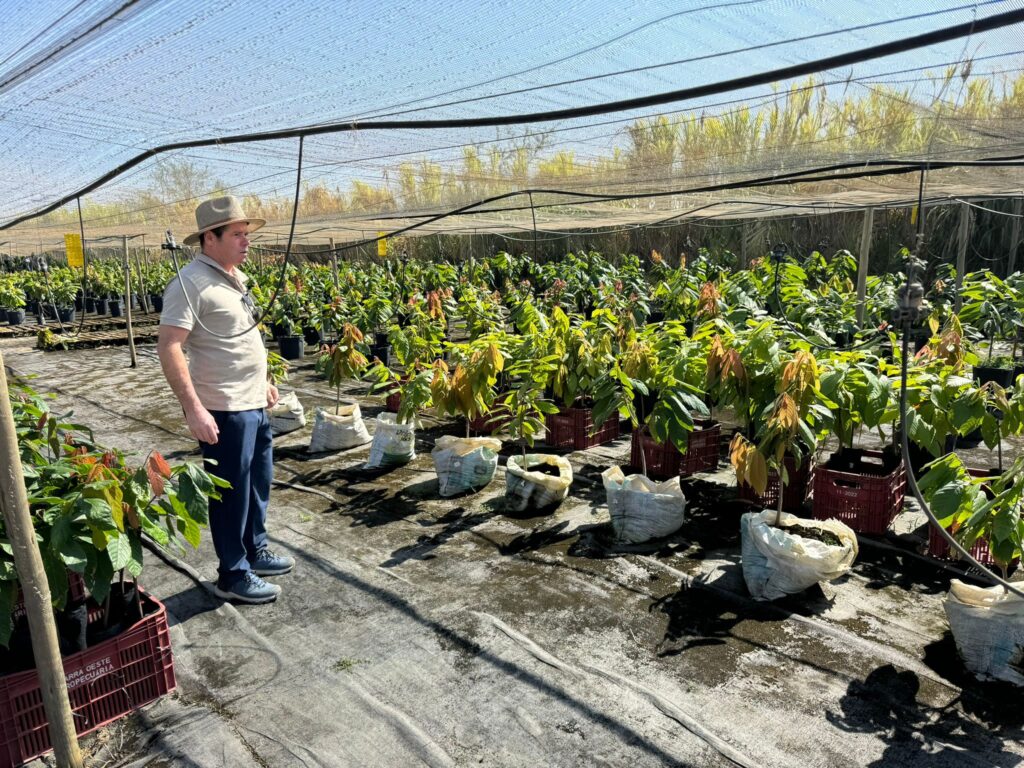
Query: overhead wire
x=737 y=83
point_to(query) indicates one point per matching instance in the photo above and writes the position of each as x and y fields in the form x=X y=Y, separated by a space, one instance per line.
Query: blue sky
x=76 y=101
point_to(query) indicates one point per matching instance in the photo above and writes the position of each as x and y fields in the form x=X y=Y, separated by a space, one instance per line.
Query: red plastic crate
x=795 y=493
x=867 y=501
x=571 y=428
x=76 y=592
x=664 y=459
x=491 y=422
x=104 y=682
x=393 y=402
x=939 y=548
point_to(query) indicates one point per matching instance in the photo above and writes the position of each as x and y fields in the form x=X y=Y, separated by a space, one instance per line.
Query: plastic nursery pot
x=779 y=561
x=66 y=314
x=116 y=307
x=102 y=306
x=540 y=481
x=1001 y=376
x=157 y=302
x=292 y=347
x=15 y=316
x=90 y=304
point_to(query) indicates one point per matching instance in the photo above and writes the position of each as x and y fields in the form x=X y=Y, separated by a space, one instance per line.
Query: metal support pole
x=961 y=251
x=35 y=588
x=128 y=301
x=862 y=265
x=1011 y=265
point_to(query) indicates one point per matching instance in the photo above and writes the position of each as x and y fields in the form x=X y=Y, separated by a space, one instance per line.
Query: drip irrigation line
x=989 y=210
x=890 y=48
x=280 y=280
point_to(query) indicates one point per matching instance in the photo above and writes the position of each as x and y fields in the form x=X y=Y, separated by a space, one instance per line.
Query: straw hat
x=216 y=213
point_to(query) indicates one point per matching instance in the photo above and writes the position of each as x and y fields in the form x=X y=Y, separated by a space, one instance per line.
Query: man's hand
x=272 y=396
x=201 y=425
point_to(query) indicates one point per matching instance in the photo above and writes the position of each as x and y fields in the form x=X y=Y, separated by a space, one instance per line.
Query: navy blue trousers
x=244 y=453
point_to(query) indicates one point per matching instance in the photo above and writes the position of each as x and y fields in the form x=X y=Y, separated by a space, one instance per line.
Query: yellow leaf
x=757 y=472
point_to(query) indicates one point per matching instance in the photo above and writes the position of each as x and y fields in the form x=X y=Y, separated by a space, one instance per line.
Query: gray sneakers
x=248 y=589
x=266 y=563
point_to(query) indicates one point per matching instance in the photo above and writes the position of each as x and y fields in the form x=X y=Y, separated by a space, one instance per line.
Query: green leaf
x=119 y=550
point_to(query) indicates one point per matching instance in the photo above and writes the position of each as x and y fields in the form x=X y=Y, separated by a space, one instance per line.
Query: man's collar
x=239 y=275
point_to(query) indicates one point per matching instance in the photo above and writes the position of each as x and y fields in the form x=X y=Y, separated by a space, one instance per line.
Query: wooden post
x=128 y=301
x=743 y=245
x=35 y=588
x=862 y=265
x=334 y=263
x=961 y=251
x=1011 y=265
x=138 y=269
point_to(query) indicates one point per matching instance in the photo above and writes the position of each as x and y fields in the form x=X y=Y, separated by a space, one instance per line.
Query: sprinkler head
x=779 y=252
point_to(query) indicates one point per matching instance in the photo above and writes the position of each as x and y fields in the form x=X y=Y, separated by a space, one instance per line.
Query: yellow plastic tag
x=382 y=245
x=73 y=246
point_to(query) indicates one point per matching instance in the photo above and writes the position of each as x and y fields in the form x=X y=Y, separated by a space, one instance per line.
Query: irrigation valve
x=169 y=243
x=911 y=301
x=779 y=252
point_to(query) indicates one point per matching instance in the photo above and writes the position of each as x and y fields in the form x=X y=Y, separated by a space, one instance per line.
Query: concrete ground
x=421 y=631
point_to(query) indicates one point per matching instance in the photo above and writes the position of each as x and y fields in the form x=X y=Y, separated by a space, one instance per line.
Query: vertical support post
x=128 y=300
x=35 y=588
x=744 y=261
x=1018 y=208
x=961 y=251
x=142 y=286
x=334 y=263
x=862 y=264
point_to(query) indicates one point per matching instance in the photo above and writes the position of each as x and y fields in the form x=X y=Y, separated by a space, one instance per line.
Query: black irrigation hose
x=903 y=45
x=281 y=277
x=904 y=431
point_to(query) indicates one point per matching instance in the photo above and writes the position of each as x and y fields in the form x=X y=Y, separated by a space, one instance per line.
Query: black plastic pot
x=66 y=314
x=115 y=307
x=101 y=305
x=382 y=352
x=90 y=304
x=656 y=316
x=157 y=302
x=313 y=336
x=1001 y=376
x=80 y=302
x=380 y=339
x=15 y=316
x=291 y=347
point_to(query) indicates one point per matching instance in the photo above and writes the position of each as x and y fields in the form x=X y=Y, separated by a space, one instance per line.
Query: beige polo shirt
x=227 y=374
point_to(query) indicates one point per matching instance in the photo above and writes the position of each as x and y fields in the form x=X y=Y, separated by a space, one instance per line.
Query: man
x=224 y=392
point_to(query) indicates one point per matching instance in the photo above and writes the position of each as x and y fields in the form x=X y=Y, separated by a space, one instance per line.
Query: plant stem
x=778 y=508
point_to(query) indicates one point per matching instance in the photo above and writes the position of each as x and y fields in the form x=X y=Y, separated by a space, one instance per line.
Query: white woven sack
x=464 y=463
x=393 y=444
x=642 y=509
x=338 y=431
x=525 y=488
x=287 y=415
x=776 y=563
x=988 y=627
